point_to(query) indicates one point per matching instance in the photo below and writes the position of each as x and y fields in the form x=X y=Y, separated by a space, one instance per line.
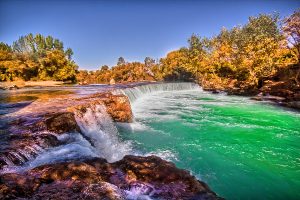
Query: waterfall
x=98 y=127
x=99 y=136
x=24 y=150
x=138 y=91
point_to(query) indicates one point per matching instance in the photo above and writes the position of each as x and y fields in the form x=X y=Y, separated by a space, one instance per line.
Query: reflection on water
x=12 y=101
x=31 y=95
x=16 y=98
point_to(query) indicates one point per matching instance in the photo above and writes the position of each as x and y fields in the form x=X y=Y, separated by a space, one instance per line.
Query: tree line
x=244 y=57
x=36 y=57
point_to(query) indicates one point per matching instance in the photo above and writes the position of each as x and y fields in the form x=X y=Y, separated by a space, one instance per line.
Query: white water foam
x=164 y=154
x=99 y=134
x=140 y=191
x=142 y=90
x=74 y=147
x=99 y=128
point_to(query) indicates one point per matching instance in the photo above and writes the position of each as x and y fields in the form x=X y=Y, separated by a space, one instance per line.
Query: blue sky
x=101 y=31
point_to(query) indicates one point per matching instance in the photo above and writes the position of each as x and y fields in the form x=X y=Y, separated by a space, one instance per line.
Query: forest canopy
x=36 y=57
x=244 y=56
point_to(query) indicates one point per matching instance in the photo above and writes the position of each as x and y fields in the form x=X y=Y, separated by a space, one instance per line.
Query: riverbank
x=283 y=88
x=21 y=84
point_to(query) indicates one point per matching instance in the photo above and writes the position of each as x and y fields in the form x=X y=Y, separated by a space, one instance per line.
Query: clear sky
x=101 y=31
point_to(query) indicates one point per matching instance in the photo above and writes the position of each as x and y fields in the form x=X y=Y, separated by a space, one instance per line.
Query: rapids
x=242 y=148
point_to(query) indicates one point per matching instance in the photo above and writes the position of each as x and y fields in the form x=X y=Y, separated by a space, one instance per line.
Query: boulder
x=133 y=177
x=61 y=122
x=117 y=105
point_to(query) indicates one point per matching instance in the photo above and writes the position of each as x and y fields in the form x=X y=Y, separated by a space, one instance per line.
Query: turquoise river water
x=241 y=148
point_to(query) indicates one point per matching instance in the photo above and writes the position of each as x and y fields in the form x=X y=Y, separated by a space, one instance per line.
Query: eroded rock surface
x=117 y=105
x=36 y=129
x=285 y=93
x=132 y=177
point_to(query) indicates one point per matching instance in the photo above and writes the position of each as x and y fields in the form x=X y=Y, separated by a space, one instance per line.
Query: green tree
x=104 y=68
x=121 y=61
x=149 y=62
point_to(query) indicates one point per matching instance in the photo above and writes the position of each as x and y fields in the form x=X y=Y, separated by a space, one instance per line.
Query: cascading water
x=218 y=138
x=99 y=137
x=253 y=146
x=100 y=130
x=24 y=150
x=142 y=90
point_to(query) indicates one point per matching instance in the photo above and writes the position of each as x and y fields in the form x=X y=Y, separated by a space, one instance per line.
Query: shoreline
x=258 y=95
x=23 y=84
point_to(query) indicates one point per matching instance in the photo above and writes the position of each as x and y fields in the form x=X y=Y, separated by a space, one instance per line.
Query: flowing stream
x=242 y=148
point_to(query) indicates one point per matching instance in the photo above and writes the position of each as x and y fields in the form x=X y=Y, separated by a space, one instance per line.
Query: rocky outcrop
x=30 y=134
x=27 y=137
x=38 y=127
x=283 y=88
x=62 y=122
x=117 y=106
x=20 y=148
x=230 y=86
x=132 y=177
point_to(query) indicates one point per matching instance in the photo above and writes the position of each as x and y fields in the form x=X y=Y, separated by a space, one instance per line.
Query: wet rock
x=61 y=123
x=286 y=93
x=117 y=105
x=257 y=98
x=167 y=181
x=12 y=87
x=23 y=147
x=132 y=177
x=277 y=99
x=293 y=104
x=30 y=134
x=242 y=91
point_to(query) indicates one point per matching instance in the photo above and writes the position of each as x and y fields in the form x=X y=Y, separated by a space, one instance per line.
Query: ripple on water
x=223 y=139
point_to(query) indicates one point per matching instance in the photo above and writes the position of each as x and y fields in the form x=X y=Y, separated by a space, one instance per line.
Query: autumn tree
x=36 y=57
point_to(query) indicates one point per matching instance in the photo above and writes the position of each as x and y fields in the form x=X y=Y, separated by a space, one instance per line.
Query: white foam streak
x=164 y=154
x=97 y=125
x=142 y=90
x=140 y=191
x=100 y=137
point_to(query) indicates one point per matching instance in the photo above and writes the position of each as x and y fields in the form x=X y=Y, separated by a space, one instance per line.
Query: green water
x=241 y=148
